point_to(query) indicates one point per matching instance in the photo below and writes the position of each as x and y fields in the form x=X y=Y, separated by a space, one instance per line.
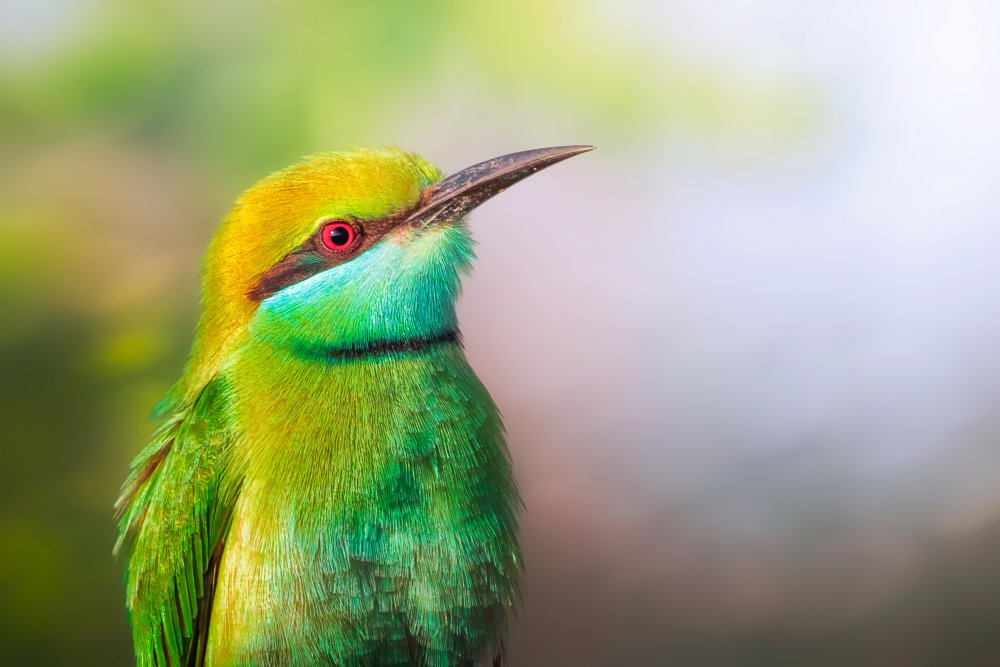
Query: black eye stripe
x=335 y=241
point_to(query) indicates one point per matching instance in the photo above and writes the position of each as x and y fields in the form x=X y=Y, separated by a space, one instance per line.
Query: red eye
x=338 y=235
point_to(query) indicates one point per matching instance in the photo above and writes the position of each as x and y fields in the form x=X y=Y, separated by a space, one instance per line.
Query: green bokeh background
x=126 y=129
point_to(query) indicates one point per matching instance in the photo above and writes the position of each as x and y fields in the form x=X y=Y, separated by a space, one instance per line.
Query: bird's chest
x=363 y=507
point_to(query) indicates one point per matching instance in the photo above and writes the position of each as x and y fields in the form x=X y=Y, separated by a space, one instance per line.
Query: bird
x=329 y=482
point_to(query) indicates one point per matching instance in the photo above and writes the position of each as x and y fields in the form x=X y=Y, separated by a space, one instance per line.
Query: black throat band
x=376 y=348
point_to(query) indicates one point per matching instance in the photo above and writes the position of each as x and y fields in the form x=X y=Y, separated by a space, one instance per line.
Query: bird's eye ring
x=339 y=236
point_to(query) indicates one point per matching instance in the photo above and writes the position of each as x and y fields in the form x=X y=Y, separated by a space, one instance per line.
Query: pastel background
x=747 y=351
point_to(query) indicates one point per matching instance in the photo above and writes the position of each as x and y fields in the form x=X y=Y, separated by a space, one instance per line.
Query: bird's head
x=343 y=250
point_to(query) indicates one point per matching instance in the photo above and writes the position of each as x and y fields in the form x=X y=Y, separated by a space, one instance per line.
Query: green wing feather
x=173 y=510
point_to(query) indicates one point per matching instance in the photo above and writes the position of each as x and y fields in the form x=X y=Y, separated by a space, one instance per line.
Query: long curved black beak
x=456 y=195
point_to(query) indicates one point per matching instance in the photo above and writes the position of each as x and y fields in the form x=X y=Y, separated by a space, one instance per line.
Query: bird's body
x=330 y=485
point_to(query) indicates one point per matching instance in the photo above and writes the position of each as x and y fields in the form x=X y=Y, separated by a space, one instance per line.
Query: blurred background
x=746 y=350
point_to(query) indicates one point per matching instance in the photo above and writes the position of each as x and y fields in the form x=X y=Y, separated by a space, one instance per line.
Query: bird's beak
x=452 y=198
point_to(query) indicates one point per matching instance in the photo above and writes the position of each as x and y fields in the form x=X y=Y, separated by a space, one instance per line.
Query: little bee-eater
x=330 y=483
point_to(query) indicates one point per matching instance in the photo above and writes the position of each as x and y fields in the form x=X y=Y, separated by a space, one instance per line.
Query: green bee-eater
x=330 y=483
